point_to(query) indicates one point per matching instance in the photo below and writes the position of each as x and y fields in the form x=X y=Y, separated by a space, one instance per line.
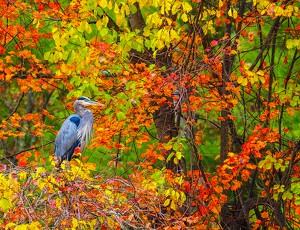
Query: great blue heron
x=76 y=131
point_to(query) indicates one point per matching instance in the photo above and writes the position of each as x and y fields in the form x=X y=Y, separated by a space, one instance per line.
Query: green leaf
x=296 y=190
x=284 y=196
x=99 y=11
x=269 y=157
x=81 y=27
x=104 y=31
x=277 y=166
x=129 y=105
x=122 y=96
x=156 y=175
x=175 y=146
x=47 y=55
x=281 y=189
x=107 y=98
x=84 y=51
x=107 y=110
x=123 y=108
x=66 y=54
x=4 y=205
x=283 y=167
x=297 y=202
x=121 y=115
x=161 y=181
x=269 y=166
x=170 y=156
x=276 y=186
x=261 y=163
x=71 y=58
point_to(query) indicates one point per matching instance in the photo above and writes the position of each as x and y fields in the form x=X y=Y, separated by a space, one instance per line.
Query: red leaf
x=41 y=7
x=214 y=43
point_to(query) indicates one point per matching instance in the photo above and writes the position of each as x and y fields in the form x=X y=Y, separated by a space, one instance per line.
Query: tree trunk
x=164 y=117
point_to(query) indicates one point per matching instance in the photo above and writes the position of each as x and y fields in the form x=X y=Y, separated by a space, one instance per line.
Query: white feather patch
x=85 y=131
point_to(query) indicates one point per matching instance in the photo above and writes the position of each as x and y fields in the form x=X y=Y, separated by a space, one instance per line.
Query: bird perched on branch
x=76 y=131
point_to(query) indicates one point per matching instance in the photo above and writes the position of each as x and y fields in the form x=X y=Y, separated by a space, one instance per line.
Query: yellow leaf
x=183 y=197
x=254 y=79
x=105 y=20
x=9 y=225
x=212 y=29
x=75 y=223
x=22 y=175
x=175 y=161
x=102 y=3
x=184 y=17
x=242 y=80
x=167 y=202
x=168 y=192
x=116 y=9
x=186 y=7
x=90 y=166
x=235 y=14
x=174 y=35
x=99 y=24
x=289 y=44
x=58 y=202
x=221 y=3
x=109 y=5
x=231 y=154
x=173 y=206
x=176 y=7
x=230 y=12
x=64 y=68
x=64 y=40
x=176 y=195
x=260 y=72
x=262 y=79
x=179 y=155
x=87 y=28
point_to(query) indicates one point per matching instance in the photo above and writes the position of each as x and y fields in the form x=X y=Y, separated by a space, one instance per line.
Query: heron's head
x=85 y=101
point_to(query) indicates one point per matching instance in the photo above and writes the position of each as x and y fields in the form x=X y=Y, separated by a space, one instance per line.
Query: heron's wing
x=85 y=129
x=66 y=140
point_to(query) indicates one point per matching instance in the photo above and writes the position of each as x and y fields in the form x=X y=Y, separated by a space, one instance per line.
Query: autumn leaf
x=290 y=111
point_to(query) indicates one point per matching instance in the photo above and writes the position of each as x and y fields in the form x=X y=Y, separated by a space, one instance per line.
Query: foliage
x=180 y=79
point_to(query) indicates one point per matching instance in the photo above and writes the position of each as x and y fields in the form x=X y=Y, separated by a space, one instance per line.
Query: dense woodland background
x=201 y=124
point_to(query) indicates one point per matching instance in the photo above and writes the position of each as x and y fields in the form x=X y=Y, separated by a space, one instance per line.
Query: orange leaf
x=290 y=111
x=265 y=215
x=258 y=221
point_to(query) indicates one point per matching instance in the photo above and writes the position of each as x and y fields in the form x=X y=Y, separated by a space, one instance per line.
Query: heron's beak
x=95 y=103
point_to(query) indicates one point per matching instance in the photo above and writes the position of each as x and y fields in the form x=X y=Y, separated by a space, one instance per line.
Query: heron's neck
x=81 y=110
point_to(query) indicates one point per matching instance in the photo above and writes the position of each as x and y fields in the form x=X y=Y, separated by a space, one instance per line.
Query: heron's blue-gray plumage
x=67 y=137
x=76 y=131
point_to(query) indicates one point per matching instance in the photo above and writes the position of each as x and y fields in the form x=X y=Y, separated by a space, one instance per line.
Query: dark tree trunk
x=164 y=117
